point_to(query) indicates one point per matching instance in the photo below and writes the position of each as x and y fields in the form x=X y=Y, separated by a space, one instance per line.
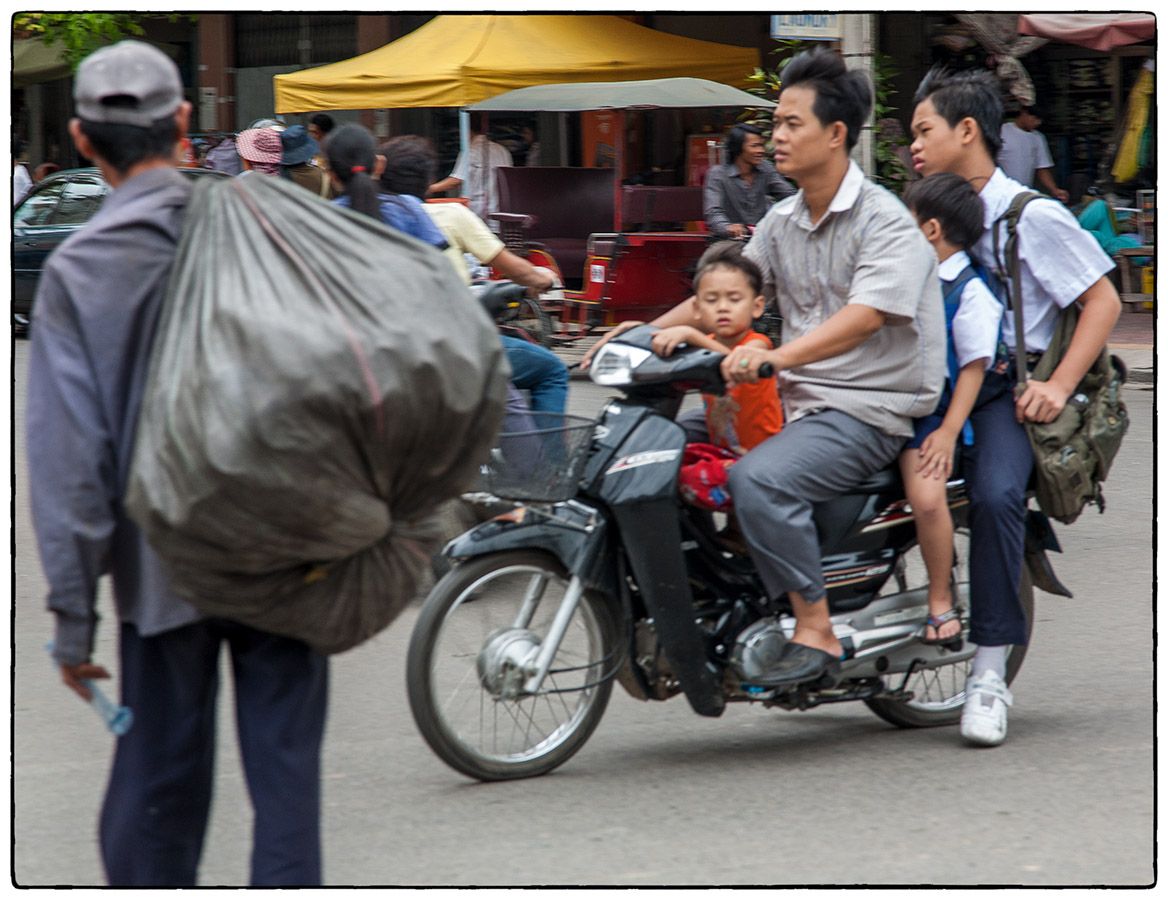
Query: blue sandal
x=954 y=641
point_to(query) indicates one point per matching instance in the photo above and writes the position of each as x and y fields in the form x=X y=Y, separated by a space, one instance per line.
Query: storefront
x=1081 y=92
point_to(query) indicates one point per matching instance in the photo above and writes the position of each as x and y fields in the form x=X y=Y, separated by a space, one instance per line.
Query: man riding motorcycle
x=863 y=348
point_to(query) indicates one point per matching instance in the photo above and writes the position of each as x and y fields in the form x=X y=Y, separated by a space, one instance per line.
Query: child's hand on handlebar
x=669 y=339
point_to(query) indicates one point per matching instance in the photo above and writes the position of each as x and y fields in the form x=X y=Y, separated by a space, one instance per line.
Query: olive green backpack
x=1073 y=454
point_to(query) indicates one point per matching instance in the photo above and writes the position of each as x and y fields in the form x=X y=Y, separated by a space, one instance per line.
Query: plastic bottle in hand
x=118 y=719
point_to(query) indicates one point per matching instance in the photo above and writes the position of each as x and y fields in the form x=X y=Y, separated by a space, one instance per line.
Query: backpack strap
x=1013 y=281
x=952 y=298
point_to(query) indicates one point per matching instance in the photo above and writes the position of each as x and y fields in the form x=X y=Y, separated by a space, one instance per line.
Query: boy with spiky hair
x=956 y=128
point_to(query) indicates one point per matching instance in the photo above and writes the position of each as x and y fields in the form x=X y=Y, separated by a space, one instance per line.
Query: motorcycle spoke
x=508 y=615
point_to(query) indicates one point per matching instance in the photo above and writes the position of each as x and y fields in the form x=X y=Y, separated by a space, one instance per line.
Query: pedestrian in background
x=97 y=309
x=43 y=171
x=223 y=156
x=353 y=164
x=738 y=193
x=260 y=150
x=475 y=172
x=298 y=151
x=1025 y=154
x=320 y=126
x=21 y=180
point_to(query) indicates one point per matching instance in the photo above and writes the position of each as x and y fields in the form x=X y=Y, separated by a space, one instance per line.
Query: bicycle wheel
x=466 y=667
x=939 y=692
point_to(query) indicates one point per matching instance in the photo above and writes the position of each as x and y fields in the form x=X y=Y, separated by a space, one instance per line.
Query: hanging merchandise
x=319 y=385
x=1127 y=160
x=998 y=35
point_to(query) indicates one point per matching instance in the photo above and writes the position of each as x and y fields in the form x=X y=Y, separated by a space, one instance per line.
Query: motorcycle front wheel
x=466 y=667
x=939 y=692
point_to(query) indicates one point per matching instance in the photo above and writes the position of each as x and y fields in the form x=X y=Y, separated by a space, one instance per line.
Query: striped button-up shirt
x=866 y=249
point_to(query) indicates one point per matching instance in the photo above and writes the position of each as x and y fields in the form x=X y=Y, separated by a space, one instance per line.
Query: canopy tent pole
x=618 y=142
x=463 y=129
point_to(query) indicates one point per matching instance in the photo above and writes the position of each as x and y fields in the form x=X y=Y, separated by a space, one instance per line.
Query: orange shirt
x=747 y=414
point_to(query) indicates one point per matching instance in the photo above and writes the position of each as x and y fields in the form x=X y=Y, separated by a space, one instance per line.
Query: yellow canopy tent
x=458 y=60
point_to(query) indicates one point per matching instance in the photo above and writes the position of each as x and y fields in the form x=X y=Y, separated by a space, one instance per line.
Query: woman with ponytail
x=354 y=164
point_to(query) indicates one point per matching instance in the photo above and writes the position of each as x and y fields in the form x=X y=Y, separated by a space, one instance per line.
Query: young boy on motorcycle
x=951 y=216
x=728 y=298
x=956 y=128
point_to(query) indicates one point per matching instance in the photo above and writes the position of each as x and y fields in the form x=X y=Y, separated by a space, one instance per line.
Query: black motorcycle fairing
x=640 y=487
x=580 y=545
x=646 y=463
x=653 y=540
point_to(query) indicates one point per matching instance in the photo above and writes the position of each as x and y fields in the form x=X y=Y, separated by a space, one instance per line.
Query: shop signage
x=806 y=27
x=208 y=109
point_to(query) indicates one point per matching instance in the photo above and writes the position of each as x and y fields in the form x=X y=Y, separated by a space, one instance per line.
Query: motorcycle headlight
x=614 y=364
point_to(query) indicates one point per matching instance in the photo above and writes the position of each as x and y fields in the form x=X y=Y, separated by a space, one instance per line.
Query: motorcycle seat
x=885 y=481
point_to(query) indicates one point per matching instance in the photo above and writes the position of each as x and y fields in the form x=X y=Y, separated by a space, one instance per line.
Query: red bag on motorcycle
x=704 y=475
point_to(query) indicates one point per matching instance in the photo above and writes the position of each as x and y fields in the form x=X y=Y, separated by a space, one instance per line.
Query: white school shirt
x=978 y=317
x=1023 y=152
x=1058 y=259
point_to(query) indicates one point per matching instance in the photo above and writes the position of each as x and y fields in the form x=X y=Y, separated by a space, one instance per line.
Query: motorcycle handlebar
x=497 y=296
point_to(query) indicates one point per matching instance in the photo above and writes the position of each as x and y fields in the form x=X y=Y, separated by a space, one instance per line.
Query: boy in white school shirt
x=956 y=128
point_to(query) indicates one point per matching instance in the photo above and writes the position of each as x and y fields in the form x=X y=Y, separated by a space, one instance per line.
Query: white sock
x=990 y=659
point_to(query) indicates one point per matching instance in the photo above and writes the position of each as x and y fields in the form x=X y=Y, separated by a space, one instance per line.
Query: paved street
x=660 y=796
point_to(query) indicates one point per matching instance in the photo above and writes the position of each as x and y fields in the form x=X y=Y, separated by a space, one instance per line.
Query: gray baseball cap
x=128 y=83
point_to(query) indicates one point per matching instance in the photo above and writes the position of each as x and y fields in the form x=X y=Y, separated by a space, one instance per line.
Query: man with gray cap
x=96 y=312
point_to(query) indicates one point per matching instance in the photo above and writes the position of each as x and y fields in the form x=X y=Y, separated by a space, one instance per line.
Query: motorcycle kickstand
x=902 y=693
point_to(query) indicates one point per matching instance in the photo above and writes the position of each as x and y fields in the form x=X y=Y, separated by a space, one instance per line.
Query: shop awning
x=458 y=60
x=1099 y=31
x=35 y=61
x=659 y=93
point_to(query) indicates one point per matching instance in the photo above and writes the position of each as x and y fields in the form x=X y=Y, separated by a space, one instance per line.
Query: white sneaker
x=983 y=719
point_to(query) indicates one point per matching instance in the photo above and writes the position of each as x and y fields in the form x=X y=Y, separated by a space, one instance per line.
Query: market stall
x=457 y=60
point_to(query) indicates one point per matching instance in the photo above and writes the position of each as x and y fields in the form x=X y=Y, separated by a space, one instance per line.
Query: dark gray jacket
x=728 y=200
x=94 y=320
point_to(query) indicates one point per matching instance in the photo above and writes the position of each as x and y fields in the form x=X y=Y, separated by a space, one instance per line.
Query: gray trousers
x=775 y=485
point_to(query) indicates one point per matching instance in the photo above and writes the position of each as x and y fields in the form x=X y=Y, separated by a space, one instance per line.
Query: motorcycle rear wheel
x=464 y=697
x=939 y=693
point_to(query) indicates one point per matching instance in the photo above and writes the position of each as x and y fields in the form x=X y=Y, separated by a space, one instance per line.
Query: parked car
x=53 y=210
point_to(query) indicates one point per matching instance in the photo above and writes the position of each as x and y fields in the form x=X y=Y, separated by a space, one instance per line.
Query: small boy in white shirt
x=951 y=216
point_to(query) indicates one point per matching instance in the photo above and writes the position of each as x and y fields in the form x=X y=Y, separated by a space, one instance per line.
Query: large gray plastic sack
x=318 y=386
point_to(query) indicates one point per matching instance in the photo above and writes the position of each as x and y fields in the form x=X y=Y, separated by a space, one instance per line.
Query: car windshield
x=79 y=202
x=37 y=208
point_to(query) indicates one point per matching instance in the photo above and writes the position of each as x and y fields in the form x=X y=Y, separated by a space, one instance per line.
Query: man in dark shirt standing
x=738 y=193
x=96 y=312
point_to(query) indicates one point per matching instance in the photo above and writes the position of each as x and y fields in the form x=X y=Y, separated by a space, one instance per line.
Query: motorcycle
x=597 y=573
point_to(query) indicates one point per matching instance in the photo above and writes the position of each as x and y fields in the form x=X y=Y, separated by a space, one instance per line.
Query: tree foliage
x=79 y=34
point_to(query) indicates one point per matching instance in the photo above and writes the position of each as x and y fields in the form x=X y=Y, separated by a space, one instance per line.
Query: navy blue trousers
x=158 y=800
x=997 y=470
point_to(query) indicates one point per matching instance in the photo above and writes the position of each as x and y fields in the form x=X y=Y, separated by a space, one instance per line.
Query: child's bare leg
x=935 y=537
